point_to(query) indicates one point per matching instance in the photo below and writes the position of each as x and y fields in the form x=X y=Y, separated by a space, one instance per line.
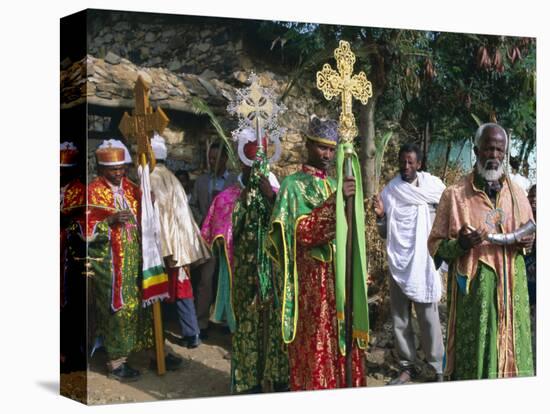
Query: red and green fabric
x=301 y=243
x=115 y=256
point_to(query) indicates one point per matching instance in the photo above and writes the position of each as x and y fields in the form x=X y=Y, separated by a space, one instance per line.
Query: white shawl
x=152 y=262
x=409 y=224
x=179 y=234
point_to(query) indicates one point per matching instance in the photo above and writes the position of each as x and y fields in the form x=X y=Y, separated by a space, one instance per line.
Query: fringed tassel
x=150 y=301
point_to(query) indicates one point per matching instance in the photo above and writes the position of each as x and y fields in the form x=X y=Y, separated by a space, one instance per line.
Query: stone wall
x=184 y=57
x=206 y=46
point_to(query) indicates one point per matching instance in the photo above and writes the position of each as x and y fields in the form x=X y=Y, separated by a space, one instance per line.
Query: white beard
x=490 y=175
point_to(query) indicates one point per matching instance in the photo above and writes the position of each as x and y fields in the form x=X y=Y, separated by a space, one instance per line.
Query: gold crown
x=68 y=157
x=110 y=156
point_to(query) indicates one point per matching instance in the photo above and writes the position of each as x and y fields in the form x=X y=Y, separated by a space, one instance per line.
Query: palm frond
x=380 y=150
x=200 y=107
x=478 y=121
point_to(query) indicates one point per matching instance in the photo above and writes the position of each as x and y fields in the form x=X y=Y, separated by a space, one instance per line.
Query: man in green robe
x=302 y=244
x=488 y=333
x=259 y=359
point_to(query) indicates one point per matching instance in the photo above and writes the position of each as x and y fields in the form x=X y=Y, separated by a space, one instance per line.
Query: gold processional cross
x=333 y=83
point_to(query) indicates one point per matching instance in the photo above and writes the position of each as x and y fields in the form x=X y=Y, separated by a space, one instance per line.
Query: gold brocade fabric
x=315 y=359
x=73 y=195
x=301 y=239
x=101 y=195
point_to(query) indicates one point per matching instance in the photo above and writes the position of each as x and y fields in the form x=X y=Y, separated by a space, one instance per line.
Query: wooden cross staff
x=334 y=83
x=143 y=123
x=141 y=126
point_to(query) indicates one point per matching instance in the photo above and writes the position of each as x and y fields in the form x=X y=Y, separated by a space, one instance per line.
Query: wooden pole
x=447 y=153
x=159 y=338
x=157 y=313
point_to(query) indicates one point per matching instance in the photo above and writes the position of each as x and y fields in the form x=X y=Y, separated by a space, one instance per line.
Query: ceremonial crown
x=323 y=131
x=68 y=154
x=110 y=156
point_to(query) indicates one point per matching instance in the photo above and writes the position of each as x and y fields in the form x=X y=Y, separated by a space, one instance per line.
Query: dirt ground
x=205 y=371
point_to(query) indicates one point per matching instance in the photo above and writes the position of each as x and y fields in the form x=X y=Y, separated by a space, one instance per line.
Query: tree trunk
x=447 y=153
x=523 y=148
x=362 y=151
x=524 y=167
x=368 y=148
x=426 y=146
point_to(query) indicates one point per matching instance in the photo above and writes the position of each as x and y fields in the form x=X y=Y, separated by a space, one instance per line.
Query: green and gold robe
x=488 y=333
x=259 y=358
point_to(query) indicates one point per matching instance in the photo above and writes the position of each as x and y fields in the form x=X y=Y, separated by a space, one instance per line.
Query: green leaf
x=478 y=121
x=380 y=150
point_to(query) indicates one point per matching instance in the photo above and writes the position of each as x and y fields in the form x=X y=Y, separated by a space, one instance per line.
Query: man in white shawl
x=180 y=239
x=405 y=210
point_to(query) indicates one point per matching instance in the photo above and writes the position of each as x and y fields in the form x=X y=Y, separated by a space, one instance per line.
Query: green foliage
x=463 y=87
x=425 y=77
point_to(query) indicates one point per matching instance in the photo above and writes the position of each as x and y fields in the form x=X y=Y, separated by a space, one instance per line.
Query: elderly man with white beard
x=488 y=333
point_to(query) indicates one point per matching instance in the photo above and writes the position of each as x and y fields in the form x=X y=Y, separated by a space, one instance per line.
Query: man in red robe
x=301 y=241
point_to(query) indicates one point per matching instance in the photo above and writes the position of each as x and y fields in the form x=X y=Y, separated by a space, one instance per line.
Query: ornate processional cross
x=141 y=126
x=333 y=83
x=143 y=122
x=257 y=108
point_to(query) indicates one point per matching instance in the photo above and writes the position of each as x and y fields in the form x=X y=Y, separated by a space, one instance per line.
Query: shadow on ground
x=51 y=386
x=204 y=373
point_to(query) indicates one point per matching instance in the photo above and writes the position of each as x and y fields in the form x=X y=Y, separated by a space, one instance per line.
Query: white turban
x=246 y=135
x=159 y=147
x=117 y=144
